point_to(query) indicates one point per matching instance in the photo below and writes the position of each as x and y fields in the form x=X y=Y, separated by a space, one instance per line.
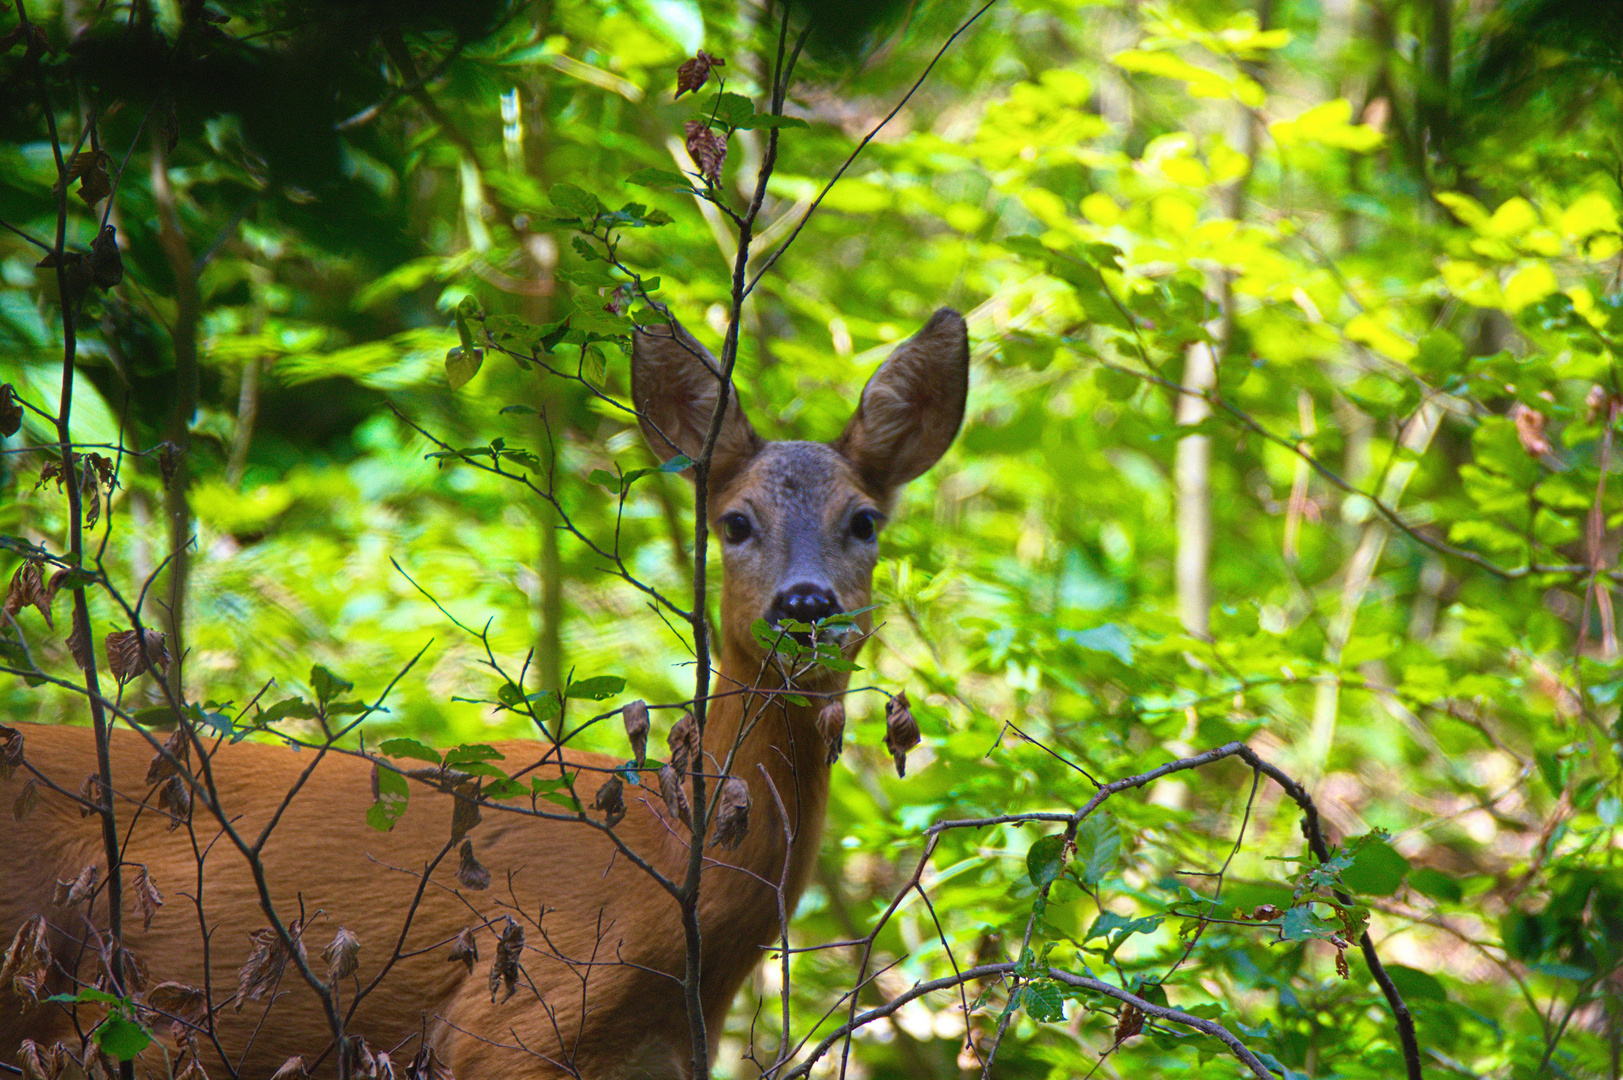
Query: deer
x=597 y=989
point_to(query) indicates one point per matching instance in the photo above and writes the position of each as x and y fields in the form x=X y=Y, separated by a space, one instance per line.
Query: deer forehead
x=804 y=480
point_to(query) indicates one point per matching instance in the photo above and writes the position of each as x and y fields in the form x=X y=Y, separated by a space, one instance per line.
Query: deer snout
x=806 y=602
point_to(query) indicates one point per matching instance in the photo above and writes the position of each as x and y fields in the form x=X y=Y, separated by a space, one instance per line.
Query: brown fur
x=600 y=992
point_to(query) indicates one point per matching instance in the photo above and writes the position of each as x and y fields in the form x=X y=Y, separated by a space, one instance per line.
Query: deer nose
x=805 y=603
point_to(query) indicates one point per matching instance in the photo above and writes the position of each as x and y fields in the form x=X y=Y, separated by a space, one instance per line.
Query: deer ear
x=674 y=382
x=911 y=407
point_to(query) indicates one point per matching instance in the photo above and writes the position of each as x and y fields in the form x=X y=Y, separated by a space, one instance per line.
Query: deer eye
x=735 y=528
x=865 y=524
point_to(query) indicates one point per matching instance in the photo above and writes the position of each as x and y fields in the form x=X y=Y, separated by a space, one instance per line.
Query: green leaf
x=1044 y=1002
x=327 y=685
x=767 y=120
x=597 y=688
x=1045 y=859
x=1416 y=985
x=1429 y=881
x=679 y=463
x=576 y=201
x=295 y=707
x=463 y=753
x=461 y=365
x=1377 y=870
x=121 y=1039
x=663 y=179
x=410 y=748
x=1097 y=845
x=733 y=110
x=393 y=795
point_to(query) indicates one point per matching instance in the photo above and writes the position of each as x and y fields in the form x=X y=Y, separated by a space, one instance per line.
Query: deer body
x=599 y=993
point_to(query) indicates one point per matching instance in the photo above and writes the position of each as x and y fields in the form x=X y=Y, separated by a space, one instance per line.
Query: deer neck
x=775 y=745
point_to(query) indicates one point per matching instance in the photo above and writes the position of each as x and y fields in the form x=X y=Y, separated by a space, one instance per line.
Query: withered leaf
x=901 y=731
x=684 y=744
x=382 y=1066
x=266 y=961
x=31 y=1058
x=676 y=800
x=124 y=656
x=1530 y=429
x=732 y=813
x=293 y=1066
x=179 y=1003
x=611 y=800
x=176 y=747
x=106 y=264
x=147 y=897
x=28 y=586
x=695 y=72
x=79 y=641
x=362 y=1061
x=464 y=809
x=342 y=956
x=80 y=888
x=176 y=798
x=504 y=969
x=470 y=873
x=27 y=959
x=708 y=149
x=465 y=948
x=89 y=795
x=831 y=726
x=11 y=751
x=26 y=800
x=1129 y=1022
x=11 y=410
x=635 y=716
x=133 y=973
x=193 y=1069
x=427 y=1066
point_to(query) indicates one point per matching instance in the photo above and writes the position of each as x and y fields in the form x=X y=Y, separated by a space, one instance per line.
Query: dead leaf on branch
x=683 y=742
x=147 y=897
x=695 y=72
x=732 y=814
x=266 y=962
x=79 y=641
x=106 y=264
x=11 y=410
x=179 y=1003
x=676 y=800
x=427 y=1066
x=831 y=726
x=470 y=873
x=464 y=948
x=1129 y=1022
x=1530 y=429
x=611 y=800
x=504 y=969
x=342 y=956
x=176 y=746
x=31 y=1058
x=89 y=795
x=901 y=731
x=708 y=149
x=27 y=959
x=635 y=716
x=30 y=587
x=11 y=751
x=464 y=809
x=124 y=653
x=176 y=798
x=79 y=889
x=293 y=1066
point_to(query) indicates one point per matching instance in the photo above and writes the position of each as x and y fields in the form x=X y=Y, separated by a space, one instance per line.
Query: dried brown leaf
x=708 y=149
x=1129 y=1022
x=177 y=747
x=180 y=1004
x=695 y=72
x=89 y=795
x=504 y=969
x=635 y=716
x=266 y=961
x=124 y=655
x=465 y=948
x=683 y=742
x=831 y=726
x=676 y=800
x=147 y=897
x=362 y=1061
x=79 y=889
x=26 y=800
x=106 y=264
x=79 y=641
x=382 y=1066
x=27 y=959
x=1530 y=429
x=901 y=731
x=611 y=800
x=342 y=956
x=427 y=1066
x=11 y=751
x=1341 y=964
x=464 y=809
x=176 y=798
x=293 y=1066
x=31 y=1058
x=28 y=586
x=11 y=410
x=732 y=814
x=470 y=873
